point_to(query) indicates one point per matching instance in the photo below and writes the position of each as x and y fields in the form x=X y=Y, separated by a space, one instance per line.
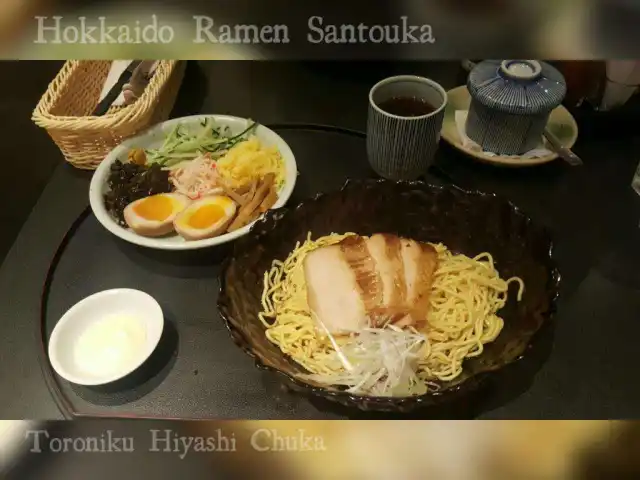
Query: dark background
x=29 y=156
x=272 y=89
x=273 y=93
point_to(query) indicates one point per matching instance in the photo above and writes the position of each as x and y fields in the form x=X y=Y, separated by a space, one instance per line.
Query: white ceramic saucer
x=561 y=124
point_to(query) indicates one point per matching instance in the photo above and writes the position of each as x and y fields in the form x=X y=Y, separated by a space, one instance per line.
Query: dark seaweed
x=129 y=182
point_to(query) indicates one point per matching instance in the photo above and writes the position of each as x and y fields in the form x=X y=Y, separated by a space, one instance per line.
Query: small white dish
x=106 y=315
x=153 y=138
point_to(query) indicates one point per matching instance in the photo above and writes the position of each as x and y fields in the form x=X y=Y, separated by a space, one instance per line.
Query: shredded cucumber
x=182 y=145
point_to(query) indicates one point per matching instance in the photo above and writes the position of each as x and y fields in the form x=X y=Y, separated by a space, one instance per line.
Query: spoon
x=565 y=153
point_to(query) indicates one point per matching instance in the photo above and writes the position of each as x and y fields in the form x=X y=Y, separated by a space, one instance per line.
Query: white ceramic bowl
x=103 y=307
x=154 y=138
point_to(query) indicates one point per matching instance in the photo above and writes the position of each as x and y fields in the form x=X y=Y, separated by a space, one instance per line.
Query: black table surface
x=197 y=371
x=592 y=212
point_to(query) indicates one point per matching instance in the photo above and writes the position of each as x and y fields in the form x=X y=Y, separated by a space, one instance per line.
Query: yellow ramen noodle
x=466 y=295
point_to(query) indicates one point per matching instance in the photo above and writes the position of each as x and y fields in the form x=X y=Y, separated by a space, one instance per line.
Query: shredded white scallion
x=378 y=362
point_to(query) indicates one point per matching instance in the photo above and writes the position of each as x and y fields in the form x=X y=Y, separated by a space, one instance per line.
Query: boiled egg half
x=205 y=218
x=153 y=216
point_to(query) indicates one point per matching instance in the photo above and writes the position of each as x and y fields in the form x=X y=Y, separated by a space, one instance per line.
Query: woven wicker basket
x=65 y=109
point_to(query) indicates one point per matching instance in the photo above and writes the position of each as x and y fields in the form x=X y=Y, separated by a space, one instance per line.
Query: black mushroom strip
x=129 y=182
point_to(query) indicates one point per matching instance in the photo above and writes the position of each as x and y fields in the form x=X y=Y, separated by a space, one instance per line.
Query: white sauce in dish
x=109 y=345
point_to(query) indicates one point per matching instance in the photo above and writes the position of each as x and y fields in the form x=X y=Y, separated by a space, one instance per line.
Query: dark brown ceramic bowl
x=467 y=222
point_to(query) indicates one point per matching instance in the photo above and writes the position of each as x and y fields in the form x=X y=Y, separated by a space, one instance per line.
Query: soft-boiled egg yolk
x=157 y=207
x=153 y=216
x=206 y=218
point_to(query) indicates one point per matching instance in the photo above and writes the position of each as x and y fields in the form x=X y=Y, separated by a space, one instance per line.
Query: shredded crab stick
x=197 y=178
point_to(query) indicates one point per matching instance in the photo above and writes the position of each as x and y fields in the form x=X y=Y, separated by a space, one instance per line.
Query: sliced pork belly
x=332 y=291
x=356 y=253
x=386 y=251
x=370 y=281
x=420 y=262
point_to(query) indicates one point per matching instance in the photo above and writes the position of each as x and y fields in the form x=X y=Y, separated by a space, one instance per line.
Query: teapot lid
x=524 y=87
